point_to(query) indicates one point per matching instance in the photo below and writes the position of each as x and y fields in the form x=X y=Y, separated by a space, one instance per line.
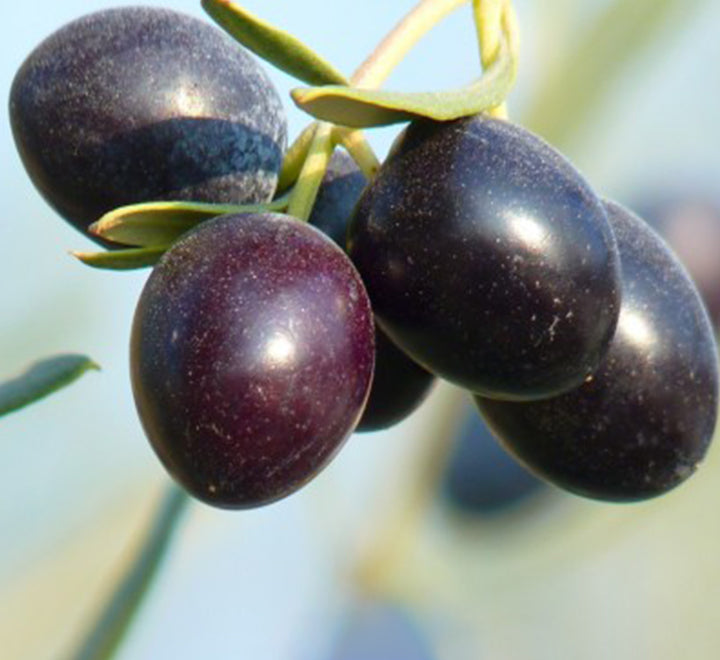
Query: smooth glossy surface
x=252 y=353
x=140 y=104
x=642 y=423
x=481 y=478
x=400 y=385
x=488 y=259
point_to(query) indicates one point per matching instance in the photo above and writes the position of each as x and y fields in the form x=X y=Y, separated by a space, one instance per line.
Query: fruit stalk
x=312 y=172
x=370 y=74
x=490 y=19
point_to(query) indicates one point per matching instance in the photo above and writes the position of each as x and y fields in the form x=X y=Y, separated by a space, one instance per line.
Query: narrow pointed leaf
x=41 y=379
x=129 y=259
x=364 y=108
x=276 y=46
x=153 y=224
x=114 y=619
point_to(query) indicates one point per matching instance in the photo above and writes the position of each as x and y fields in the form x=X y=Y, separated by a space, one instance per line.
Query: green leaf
x=122 y=259
x=116 y=616
x=276 y=46
x=42 y=378
x=364 y=108
x=158 y=224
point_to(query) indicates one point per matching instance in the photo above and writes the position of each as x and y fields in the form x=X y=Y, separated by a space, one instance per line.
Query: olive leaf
x=115 y=617
x=276 y=46
x=41 y=379
x=129 y=259
x=153 y=224
x=364 y=108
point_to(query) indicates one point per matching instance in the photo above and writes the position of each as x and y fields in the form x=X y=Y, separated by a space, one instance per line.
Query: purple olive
x=641 y=424
x=400 y=385
x=139 y=104
x=251 y=357
x=488 y=258
x=339 y=191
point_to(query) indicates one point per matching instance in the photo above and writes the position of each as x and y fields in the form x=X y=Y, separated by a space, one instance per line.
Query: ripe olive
x=399 y=385
x=488 y=258
x=339 y=191
x=138 y=104
x=251 y=357
x=643 y=421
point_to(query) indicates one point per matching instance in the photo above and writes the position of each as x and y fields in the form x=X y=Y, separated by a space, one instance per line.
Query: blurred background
x=391 y=553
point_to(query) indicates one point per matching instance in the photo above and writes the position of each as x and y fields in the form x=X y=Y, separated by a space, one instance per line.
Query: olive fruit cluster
x=487 y=259
x=492 y=263
x=399 y=384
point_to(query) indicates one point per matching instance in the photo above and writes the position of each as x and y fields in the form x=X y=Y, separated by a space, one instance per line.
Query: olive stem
x=372 y=73
x=312 y=172
x=400 y=40
x=358 y=146
x=114 y=621
x=383 y=60
x=489 y=16
x=295 y=157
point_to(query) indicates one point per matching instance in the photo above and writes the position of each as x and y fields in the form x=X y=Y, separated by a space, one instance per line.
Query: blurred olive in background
x=481 y=478
x=379 y=630
x=690 y=223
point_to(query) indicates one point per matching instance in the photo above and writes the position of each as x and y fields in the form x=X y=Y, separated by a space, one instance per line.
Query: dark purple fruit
x=399 y=384
x=481 y=479
x=251 y=357
x=488 y=259
x=339 y=192
x=641 y=424
x=139 y=104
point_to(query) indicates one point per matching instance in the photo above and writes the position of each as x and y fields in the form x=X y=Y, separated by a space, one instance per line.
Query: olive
x=251 y=355
x=488 y=258
x=642 y=423
x=139 y=104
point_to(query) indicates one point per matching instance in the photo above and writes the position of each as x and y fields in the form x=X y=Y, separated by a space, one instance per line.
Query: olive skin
x=642 y=423
x=399 y=385
x=251 y=355
x=339 y=191
x=139 y=104
x=488 y=259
